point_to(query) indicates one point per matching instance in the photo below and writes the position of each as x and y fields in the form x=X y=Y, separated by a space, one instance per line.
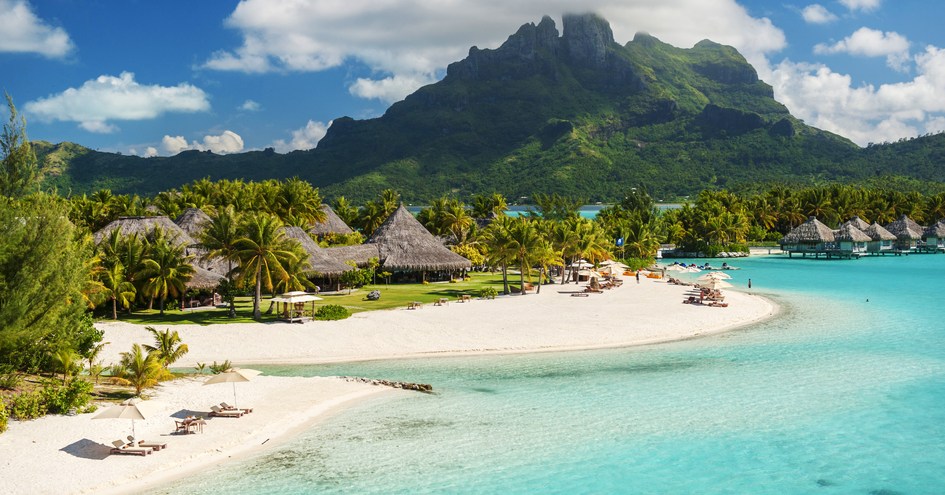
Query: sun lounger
x=122 y=448
x=227 y=407
x=144 y=443
x=216 y=411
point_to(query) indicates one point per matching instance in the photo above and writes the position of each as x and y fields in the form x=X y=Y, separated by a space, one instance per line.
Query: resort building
x=881 y=240
x=332 y=225
x=810 y=237
x=851 y=239
x=404 y=247
x=857 y=222
x=934 y=236
x=322 y=268
x=908 y=233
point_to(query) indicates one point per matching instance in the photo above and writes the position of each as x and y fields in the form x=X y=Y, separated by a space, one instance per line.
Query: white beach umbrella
x=693 y=269
x=130 y=409
x=233 y=375
x=714 y=276
x=717 y=284
x=675 y=268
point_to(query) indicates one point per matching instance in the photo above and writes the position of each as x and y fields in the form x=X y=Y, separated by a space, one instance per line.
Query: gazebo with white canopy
x=293 y=305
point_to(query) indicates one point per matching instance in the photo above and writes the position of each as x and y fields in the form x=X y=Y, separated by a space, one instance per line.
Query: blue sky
x=156 y=78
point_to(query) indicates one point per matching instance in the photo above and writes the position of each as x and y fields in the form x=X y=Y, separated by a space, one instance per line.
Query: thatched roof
x=405 y=244
x=333 y=224
x=361 y=254
x=144 y=226
x=200 y=258
x=906 y=229
x=878 y=233
x=318 y=260
x=811 y=231
x=857 y=222
x=936 y=230
x=849 y=233
x=194 y=221
x=204 y=279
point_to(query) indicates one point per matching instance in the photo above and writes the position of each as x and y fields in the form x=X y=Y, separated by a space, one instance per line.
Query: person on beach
x=638 y=276
x=749 y=283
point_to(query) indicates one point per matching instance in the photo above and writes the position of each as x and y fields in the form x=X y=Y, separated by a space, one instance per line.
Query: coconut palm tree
x=220 y=236
x=115 y=288
x=522 y=243
x=64 y=360
x=496 y=238
x=167 y=347
x=139 y=369
x=166 y=271
x=263 y=252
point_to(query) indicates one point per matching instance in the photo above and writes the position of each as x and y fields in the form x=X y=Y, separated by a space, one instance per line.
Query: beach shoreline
x=647 y=313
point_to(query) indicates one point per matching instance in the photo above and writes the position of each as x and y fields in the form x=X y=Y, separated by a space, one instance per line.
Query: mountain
x=574 y=113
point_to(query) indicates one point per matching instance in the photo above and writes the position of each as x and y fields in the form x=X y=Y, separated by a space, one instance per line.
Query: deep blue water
x=842 y=393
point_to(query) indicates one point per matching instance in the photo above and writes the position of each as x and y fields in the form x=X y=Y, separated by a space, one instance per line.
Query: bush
x=4 y=417
x=27 y=405
x=63 y=399
x=216 y=369
x=9 y=378
x=488 y=293
x=332 y=312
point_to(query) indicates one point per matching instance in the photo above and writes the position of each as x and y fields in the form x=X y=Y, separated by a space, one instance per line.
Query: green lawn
x=392 y=296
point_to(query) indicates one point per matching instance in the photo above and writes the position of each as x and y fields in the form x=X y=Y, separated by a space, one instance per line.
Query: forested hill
x=571 y=112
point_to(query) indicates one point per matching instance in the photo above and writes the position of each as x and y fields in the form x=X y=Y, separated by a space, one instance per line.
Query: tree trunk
x=541 y=270
x=564 y=270
x=162 y=304
x=114 y=308
x=505 y=279
x=256 y=314
x=521 y=277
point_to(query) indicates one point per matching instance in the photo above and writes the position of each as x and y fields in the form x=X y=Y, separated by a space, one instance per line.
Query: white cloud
x=23 y=32
x=868 y=42
x=224 y=143
x=150 y=152
x=305 y=138
x=408 y=43
x=817 y=14
x=250 y=106
x=108 y=98
x=865 y=113
x=864 y=5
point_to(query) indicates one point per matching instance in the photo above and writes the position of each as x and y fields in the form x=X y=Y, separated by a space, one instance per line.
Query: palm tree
x=490 y=206
x=167 y=347
x=115 y=288
x=166 y=271
x=63 y=360
x=523 y=242
x=591 y=243
x=263 y=252
x=141 y=370
x=297 y=271
x=219 y=238
x=497 y=239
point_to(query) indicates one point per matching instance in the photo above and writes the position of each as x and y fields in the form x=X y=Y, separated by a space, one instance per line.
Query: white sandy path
x=629 y=315
x=63 y=454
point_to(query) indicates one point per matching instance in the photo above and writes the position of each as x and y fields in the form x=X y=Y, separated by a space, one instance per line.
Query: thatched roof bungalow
x=880 y=238
x=360 y=254
x=204 y=279
x=144 y=226
x=934 y=235
x=908 y=233
x=850 y=238
x=333 y=224
x=857 y=222
x=193 y=221
x=810 y=236
x=319 y=261
x=405 y=245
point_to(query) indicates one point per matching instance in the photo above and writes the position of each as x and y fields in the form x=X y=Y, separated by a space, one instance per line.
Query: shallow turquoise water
x=836 y=395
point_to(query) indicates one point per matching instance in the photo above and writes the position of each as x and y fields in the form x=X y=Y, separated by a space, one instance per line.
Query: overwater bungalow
x=851 y=239
x=934 y=237
x=404 y=247
x=810 y=238
x=908 y=233
x=857 y=222
x=881 y=240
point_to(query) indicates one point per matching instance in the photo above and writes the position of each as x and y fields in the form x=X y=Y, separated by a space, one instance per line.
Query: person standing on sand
x=638 y=276
x=749 y=283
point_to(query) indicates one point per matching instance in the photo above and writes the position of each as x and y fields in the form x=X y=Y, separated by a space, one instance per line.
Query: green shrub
x=63 y=399
x=216 y=369
x=332 y=312
x=488 y=292
x=27 y=405
x=4 y=417
x=9 y=378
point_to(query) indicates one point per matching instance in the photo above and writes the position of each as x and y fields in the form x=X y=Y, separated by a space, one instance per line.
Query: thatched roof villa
x=810 y=237
x=143 y=226
x=402 y=244
x=194 y=221
x=934 y=236
x=849 y=238
x=857 y=222
x=908 y=233
x=333 y=224
x=880 y=238
x=319 y=261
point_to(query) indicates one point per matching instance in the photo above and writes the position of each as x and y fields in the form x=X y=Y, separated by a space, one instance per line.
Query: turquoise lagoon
x=842 y=393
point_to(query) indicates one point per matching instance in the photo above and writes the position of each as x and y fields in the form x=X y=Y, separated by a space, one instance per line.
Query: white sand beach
x=77 y=447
